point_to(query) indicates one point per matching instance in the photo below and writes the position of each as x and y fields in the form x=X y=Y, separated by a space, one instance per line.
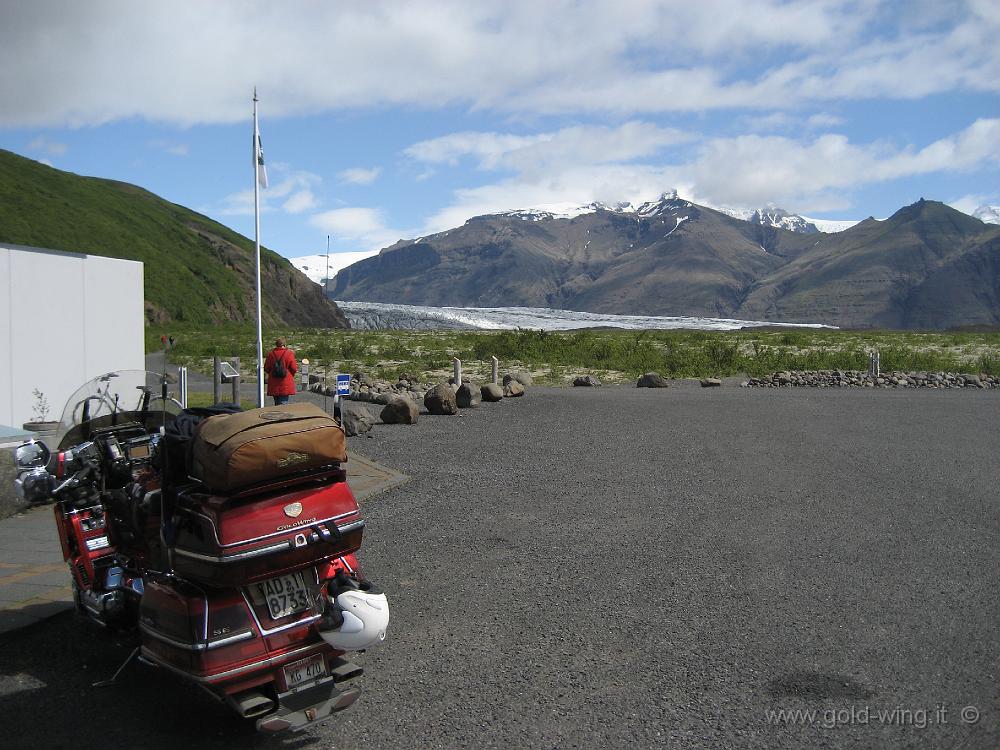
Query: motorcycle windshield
x=114 y=398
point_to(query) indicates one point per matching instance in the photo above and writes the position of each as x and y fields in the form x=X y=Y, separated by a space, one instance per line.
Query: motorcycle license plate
x=300 y=672
x=285 y=595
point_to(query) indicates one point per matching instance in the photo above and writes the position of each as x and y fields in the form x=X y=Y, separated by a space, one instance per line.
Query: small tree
x=40 y=407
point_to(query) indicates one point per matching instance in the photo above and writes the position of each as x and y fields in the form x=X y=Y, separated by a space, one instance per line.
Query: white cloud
x=969 y=203
x=824 y=120
x=488 y=148
x=47 y=146
x=299 y=202
x=581 y=144
x=291 y=188
x=357 y=225
x=519 y=56
x=174 y=149
x=359 y=175
x=814 y=174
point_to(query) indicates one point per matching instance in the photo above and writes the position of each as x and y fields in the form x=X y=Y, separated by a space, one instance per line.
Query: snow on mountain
x=989 y=214
x=314 y=266
x=771 y=216
x=666 y=202
x=829 y=226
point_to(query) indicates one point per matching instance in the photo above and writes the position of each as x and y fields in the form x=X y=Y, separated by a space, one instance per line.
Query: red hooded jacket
x=281 y=386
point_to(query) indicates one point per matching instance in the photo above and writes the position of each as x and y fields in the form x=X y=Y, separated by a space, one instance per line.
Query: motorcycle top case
x=230 y=541
x=232 y=452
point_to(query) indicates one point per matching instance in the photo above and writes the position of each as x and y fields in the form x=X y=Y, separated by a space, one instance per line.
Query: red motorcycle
x=225 y=541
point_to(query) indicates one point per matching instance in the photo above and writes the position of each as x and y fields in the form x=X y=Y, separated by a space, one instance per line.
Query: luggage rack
x=323 y=475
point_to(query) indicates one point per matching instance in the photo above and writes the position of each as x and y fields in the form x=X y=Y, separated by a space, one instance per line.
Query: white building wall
x=64 y=318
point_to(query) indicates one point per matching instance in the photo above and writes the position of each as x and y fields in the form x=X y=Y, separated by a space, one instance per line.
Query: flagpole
x=256 y=242
x=326 y=280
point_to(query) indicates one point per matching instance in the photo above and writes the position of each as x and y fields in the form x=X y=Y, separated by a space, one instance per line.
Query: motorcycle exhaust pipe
x=250 y=703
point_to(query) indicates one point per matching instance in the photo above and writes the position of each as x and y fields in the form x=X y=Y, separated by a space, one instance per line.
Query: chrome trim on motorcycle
x=313 y=538
x=215 y=531
x=273 y=661
x=235 y=557
x=201 y=646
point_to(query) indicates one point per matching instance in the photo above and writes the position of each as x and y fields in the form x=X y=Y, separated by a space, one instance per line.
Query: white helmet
x=356 y=616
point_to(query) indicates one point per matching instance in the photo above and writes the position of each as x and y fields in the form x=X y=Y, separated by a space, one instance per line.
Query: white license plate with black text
x=306 y=670
x=284 y=595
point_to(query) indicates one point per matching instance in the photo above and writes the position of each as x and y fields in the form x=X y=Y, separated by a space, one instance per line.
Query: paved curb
x=34 y=582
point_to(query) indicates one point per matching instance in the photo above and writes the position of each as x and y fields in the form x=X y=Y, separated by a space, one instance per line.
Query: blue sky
x=388 y=120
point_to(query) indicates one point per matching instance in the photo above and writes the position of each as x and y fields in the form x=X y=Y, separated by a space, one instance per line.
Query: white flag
x=258 y=157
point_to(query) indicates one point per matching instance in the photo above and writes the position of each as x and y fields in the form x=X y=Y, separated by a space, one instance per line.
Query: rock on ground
x=468 y=395
x=711 y=382
x=491 y=392
x=356 y=420
x=513 y=389
x=652 y=380
x=522 y=377
x=400 y=410
x=441 y=400
x=587 y=381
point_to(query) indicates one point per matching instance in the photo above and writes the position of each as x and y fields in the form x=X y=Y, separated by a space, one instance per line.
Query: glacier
x=389 y=316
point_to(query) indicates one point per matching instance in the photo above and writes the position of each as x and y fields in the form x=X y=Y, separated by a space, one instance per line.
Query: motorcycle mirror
x=31 y=455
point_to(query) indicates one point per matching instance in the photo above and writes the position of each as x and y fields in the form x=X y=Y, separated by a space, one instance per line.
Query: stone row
x=862 y=379
x=401 y=400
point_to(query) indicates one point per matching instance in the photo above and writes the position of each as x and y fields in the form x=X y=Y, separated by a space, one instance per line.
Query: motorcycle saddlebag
x=231 y=452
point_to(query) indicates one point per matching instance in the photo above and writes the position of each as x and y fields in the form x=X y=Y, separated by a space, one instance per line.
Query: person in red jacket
x=278 y=386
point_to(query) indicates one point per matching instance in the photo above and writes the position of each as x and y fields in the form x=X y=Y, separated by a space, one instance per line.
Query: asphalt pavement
x=624 y=567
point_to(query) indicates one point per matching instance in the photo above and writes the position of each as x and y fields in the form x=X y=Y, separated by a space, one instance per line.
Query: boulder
x=364 y=378
x=971 y=380
x=513 y=389
x=356 y=420
x=408 y=377
x=399 y=410
x=491 y=392
x=652 y=380
x=468 y=395
x=586 y=381
x=711 y=383
x=522 y=377
x=441 y=400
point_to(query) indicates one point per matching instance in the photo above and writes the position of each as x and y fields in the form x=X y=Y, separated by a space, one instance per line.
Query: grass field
x=614 y=356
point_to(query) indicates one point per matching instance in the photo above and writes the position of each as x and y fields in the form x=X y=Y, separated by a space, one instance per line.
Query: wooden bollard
x=496 y=370
x=458 y=370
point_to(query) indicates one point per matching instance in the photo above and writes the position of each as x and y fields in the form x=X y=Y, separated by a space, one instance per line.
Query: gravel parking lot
x=629 y=567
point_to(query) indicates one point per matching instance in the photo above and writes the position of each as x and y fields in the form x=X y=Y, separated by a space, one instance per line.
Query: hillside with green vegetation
x=196 y=270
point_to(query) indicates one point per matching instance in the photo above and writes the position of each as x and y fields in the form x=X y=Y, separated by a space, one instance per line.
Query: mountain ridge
x=196 y=269
x=928 y=265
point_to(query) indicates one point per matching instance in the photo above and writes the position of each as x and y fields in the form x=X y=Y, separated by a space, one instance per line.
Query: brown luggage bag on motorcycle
x=232 y=452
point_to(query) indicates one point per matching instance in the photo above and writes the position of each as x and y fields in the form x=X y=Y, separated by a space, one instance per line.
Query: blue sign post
x=343 y=384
